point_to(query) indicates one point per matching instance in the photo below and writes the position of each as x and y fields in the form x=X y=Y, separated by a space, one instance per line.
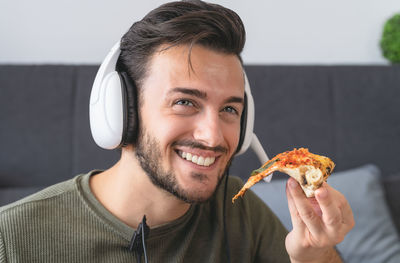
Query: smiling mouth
x=197 y=159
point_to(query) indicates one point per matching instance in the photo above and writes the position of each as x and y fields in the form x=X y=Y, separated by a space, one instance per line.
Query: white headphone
x=113 y=113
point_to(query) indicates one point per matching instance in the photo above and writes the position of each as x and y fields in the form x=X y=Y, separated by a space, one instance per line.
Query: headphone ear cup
x=131 y=123
x=106 y=111
x=247 y=120
x=243 y=124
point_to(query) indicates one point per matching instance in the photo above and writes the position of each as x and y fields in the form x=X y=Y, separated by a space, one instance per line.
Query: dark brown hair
x=183 y=22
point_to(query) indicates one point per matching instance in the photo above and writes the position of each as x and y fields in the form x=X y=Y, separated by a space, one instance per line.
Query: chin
x=197 y=197
x=199 y=188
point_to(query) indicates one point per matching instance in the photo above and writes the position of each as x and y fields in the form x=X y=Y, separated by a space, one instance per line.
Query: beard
x=148 y=153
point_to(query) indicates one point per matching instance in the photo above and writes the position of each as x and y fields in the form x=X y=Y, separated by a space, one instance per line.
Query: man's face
x=190 y=120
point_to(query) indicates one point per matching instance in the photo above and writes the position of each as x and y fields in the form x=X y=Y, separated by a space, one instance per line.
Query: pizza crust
x=309 y=177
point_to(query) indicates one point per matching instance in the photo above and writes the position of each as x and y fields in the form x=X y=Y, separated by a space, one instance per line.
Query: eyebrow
x=203 y=95
x=234 y=99
x=188 y=91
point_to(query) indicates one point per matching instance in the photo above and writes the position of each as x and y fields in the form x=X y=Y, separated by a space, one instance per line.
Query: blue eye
x=230 y=109
x=184 y=103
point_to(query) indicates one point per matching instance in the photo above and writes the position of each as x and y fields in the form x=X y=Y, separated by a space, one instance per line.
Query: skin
x=198 y=111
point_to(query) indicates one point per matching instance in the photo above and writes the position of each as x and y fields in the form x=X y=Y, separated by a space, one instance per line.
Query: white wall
x=278 y=31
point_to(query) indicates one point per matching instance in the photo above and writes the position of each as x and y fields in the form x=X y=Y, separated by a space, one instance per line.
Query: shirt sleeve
x=3 y=257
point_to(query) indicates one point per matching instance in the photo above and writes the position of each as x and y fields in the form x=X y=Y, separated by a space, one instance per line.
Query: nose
x=208 y=130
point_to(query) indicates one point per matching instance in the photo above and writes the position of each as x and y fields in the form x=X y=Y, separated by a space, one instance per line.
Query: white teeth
x=199 y=160
x=208 y=161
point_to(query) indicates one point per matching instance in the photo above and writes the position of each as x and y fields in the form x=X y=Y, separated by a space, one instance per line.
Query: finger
x=331 y=200
x=315 y=206
x=330 y=206
x=305 y=209
x=294 y=214
x=347 y=212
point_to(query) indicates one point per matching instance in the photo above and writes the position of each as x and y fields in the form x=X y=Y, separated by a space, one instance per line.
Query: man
x=184 y=60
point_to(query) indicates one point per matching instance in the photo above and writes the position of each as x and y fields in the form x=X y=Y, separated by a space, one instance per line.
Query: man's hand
x=319 y=223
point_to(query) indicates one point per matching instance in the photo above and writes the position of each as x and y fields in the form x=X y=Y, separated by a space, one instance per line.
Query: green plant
x=390 y=42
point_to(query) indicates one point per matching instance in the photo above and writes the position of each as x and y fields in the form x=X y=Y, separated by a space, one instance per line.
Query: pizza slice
x=309 y=169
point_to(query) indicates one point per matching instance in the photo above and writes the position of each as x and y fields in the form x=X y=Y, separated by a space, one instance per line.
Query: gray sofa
x=349 y=113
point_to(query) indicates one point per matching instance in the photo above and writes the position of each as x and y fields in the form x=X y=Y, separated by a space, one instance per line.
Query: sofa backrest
x=349 y=113
x=44 y=133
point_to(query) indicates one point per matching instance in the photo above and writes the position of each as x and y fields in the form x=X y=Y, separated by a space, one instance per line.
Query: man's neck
x=127 y=192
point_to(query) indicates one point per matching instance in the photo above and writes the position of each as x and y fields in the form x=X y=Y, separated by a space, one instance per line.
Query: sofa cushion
x=374 y=237
x=391 y=185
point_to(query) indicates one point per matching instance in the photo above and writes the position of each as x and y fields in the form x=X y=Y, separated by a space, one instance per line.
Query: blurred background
x=278 y=32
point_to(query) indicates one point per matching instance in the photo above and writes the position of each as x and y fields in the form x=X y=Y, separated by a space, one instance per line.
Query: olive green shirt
x=66 y=223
